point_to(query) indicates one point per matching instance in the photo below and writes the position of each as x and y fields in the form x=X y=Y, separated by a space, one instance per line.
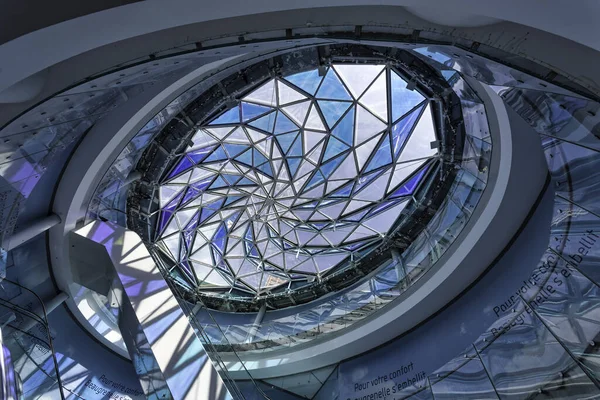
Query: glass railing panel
x=476 y=157
x=525 y=360
x=329 y=390
x=575 y=172
x=568 y=304
x=416 y=391
x=462 y=378
x=575 y=236
x=572 y=119
x=467 y=191
x=27 y=337
x=418 y=257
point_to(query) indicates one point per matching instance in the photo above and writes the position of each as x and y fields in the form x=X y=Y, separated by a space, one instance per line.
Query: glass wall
x=545 y=342
x=30 y=366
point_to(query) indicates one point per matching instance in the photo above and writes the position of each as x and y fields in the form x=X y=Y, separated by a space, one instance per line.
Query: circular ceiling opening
x=294 y=183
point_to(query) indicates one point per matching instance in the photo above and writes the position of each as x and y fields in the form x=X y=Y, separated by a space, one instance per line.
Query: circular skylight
x=295 y=179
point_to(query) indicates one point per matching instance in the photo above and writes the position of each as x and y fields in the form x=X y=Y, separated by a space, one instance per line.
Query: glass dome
x=287 y=185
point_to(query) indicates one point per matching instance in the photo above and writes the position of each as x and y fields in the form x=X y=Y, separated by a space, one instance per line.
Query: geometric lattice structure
x=288 y=184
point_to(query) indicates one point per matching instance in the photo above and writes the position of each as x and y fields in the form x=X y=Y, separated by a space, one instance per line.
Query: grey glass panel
x=329 y=390
x=462 y=378
x=575 y=171
x=416 y=391
x=569 y=118
x=419 y=257
x=475 y=119
x=524 y=360
x=575 y=236
x=568 y=303
x=484 y=69
x=466 y=191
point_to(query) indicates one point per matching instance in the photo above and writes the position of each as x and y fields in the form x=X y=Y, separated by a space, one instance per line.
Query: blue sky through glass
x=302 y=172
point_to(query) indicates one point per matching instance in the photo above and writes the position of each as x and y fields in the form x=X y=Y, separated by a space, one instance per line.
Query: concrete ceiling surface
x=62 y=41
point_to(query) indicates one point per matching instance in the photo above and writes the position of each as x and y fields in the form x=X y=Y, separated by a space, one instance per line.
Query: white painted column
x=30 y=231
x=166 y=352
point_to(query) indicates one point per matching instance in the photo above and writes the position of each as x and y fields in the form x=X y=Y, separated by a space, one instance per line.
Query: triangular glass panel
x=297 y=112
x=184 y=216
x=402 y=129
x=265 y=123
x=307 y=81
x=344 y=191
x=250 y=111
x=293 y=164
x=288 y=95
x=285 y=140
x=382 y=156
x=220 y=238
x=238 y=136
x=328 y=168
x=259 y=158
x=246 y=181
x=190 y=194
x=165 y=216
x=345 y=129
x=264 y=94
x=232 y=199
x=367 y=125
x=181 y=179
x=234 y=149
x=175 y=201
x=311 y=139
x=217 y=155
x=316 y=179
x=205 y=214
x=201 y=185
x=358 y=77
x=332 y=88
x=419 y=142
x=198 y=155
x=347 y=170
x=266 y=168
x=217 y=132
x=219 y=183
x=315 y=154
x=363 y=152
x=296 y=149
x=229 y=117
x=333 y=110
x=283 y=124
x=381 y=223
x=231 y=179
x=375 y=98
x=365 y=180
x=255 y=135
x=168 y=192
x=403 y=100
x=314 y=120
x=245 y=157
x=334 y=148
x=409 y=187
x=183 y=164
